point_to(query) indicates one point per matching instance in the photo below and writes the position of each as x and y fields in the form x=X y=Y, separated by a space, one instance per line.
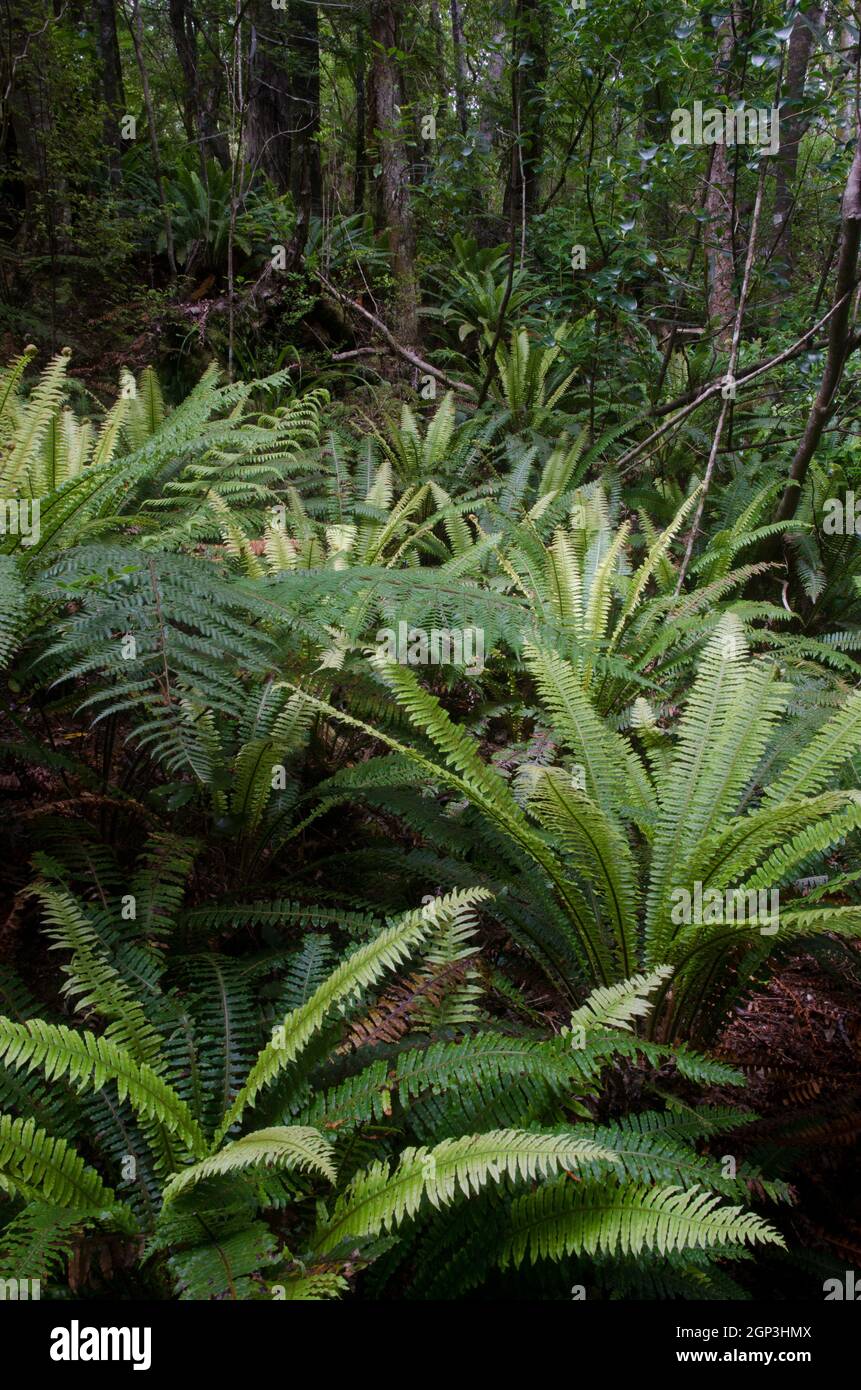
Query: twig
x=359 y=352
x=714 y=386
x=730 y=378
x=405 y=352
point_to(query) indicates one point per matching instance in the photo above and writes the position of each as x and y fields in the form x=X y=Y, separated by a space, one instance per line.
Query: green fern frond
x=379 y=1198
x=48 y=1169
x=89 y=1062
x=616 y=1006
x=565 y=1218
x=285 y=1147
x=361 y=969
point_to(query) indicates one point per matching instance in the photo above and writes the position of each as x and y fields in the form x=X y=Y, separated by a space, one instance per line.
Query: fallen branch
x=405 y=352
x=359 y=352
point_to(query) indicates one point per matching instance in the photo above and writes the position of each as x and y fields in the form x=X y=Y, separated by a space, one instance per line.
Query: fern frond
x=616 y=1006
x=379 y=1198
x=48 y=1169
x=357 y=972
x=565 y=1218
x=285 y=1147
x=89 y=1062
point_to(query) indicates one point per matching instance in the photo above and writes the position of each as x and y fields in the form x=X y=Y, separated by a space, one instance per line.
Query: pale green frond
x=108 y=439
x=296 y=1146
x=380 y=1198
x=92 y=981
x=439 y=433
x=730 y=854
x=22 y=463
x=614 y=776
x=89 y=1062
x=364 y=967
x=597 y=848
x=311 y=1288
x=565 y=583
x=715 y=693
x=828 y=750
x=655 y=559
x=43 y=1167
x=600 y=591
x=616 y=1006
x=13 y=608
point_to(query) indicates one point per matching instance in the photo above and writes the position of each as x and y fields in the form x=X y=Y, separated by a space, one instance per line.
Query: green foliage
x=200 y=209
x=684 y=815
x=214 y=1193
x=440 y=318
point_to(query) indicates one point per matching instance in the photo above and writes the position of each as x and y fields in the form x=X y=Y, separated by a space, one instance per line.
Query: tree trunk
x=306 y=179
x=393 y=210
x=459 y=64
x=211 y=81
x=849 y=63
x=793 y=124
x=268 y=120
x=840 y=341
x=23 y=124
x=529 y=57
x=717 y=237
x=202 y=84
x=361 y=163
x=113 y=95
x=488 y=119
x=136 y=26
x=185 y=43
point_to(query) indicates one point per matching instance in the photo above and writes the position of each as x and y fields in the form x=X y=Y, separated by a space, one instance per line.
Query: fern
x=91 y=1061
x=562 y=1219
x=280 y=1148
x=361 y=969
x=379 y=1198
x=47 y=1169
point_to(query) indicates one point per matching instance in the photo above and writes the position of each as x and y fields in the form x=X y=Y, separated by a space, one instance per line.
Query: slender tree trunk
x=394 y=211
x=306 y=178
x=529 y=57
x=849 y=63
x=113 y=95
x=427 y=145
x=840 y=341
x=459 y=50
x=793 y=124
x=136 y=27
x=361 y=163
x=717 y=233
